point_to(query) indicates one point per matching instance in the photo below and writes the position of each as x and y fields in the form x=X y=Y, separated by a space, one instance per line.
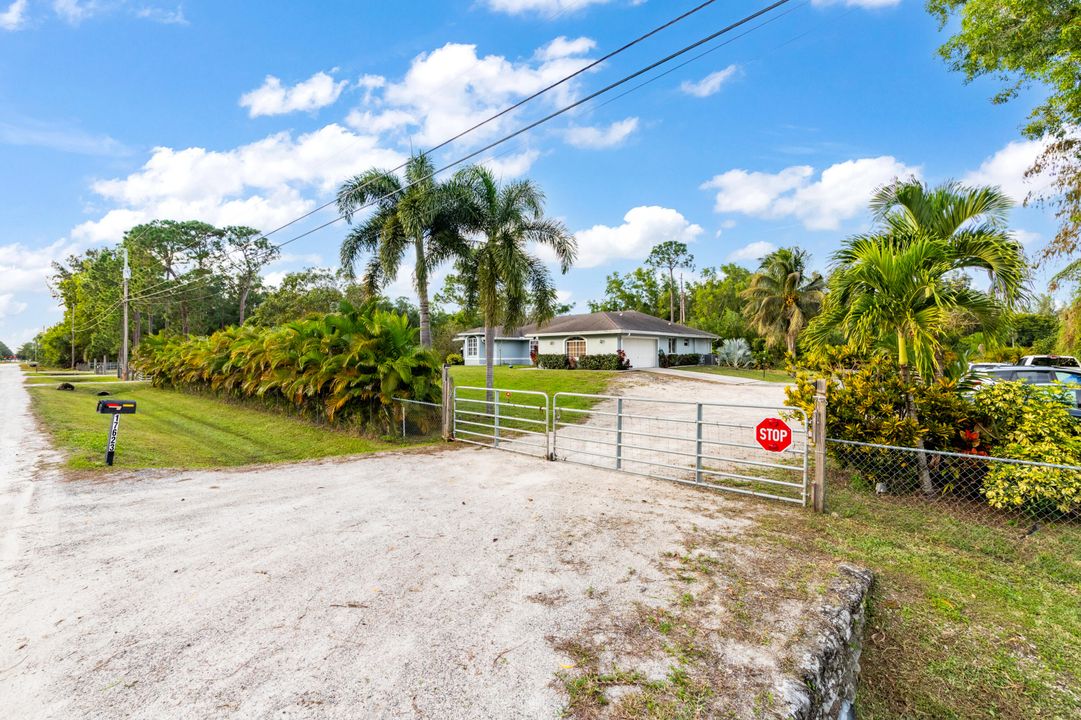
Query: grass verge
x=177 y=430
x=967 y=620
x=768 y=375
x=34 y=378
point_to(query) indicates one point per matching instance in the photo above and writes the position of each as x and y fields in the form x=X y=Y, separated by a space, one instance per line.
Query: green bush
x=607 y=361
x=1031 y=423
x=348 y=365
x=455 y=359
x=867 y=401
x=684 y=359
x=553 y=361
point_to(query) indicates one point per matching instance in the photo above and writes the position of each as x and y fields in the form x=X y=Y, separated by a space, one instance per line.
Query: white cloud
x=272 y=98
x=9 y=306
x=14 y=17
x=642 y=228
x=24 y=268
x=563 y=47
x=710 y=83
x=451 y=88
x=163 y=16
x=378 y=123
x=75 y=11
x=28 y=132
x=596 y=138
x=752 y=251
x=1026 y=237
x=1006 y=169
x=841 y=192
x=866 y=4
x=511 y=166
x=549 y=8
x=259 y=184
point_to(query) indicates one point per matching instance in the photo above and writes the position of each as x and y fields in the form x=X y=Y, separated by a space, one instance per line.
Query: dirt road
x=411 y=585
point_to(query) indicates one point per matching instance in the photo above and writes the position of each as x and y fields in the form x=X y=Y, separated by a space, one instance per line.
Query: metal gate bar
x=670 y=445
x=499 y=423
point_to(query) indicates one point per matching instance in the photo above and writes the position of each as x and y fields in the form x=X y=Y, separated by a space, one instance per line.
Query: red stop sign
x=773 y=434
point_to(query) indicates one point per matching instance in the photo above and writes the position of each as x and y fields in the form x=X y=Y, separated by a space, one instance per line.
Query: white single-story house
x=641 y=337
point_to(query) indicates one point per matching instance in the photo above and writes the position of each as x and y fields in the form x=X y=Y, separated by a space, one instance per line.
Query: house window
x=576 y=347
x=471 y=346
x=671 y=345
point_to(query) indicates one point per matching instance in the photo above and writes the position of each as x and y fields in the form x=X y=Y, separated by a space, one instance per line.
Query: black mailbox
x=116 y=407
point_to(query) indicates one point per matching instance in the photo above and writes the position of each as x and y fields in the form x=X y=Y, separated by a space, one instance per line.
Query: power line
x=523 y=101
x=509 y=109
x=567 y=108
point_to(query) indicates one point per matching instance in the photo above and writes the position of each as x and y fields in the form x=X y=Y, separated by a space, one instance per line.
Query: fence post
x=495 y=411
x=698 y=445
x=619 y=433
x=818 y=431
x=404 y=405
x=448 y=404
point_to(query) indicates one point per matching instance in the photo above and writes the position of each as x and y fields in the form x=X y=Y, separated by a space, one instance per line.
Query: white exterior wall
x=595 y=344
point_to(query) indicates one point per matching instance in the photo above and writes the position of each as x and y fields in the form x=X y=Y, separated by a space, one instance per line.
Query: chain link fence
x=416 y=420
x=996 y=492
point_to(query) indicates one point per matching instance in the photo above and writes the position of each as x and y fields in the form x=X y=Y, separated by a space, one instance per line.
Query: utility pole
x=124 y=338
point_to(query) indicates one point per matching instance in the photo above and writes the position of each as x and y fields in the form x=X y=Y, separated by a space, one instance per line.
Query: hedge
x=684 y=359
x=553 y=361
x=607 y=361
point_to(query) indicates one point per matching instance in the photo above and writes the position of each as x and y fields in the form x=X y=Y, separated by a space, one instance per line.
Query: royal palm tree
x=420 y=213
x=782 y=297
x=507 y=283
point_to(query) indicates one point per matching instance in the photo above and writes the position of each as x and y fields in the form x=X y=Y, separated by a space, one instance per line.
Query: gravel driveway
x=418 y=584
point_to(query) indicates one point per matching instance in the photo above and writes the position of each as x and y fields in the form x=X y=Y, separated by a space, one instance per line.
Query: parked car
x=984 y=366
x=1062 y=361
x=1067 y=379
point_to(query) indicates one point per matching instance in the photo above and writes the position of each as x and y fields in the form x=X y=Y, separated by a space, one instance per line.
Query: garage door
x=642 y=352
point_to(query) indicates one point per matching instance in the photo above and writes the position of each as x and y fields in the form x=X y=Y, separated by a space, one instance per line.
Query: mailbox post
x=116 y=408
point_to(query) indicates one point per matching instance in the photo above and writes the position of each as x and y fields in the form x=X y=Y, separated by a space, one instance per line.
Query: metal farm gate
x=515 y=420
x=745 y=449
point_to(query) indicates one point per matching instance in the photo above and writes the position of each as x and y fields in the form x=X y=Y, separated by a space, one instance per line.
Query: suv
x=1062 y=361
x=1050 y=377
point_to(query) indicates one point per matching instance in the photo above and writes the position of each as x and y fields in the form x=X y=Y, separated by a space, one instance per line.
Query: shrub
x=867 y=401
x=675 y=360
x=735 y=352
x=553 y=361
x=1031 y=423
x=347 y=365
x=606 y=361
x=662 y=359
x=455 y=359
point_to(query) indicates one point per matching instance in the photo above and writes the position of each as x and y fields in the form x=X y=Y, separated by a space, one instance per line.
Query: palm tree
x=781 y=297
x=421 y=213
x=503 y=279
x=900 y=283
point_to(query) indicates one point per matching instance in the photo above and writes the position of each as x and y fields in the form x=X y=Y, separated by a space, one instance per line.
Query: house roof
x=616 y=321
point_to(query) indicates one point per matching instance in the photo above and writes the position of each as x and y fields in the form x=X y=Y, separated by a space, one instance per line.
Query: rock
x=65 y=386
x=102 y=393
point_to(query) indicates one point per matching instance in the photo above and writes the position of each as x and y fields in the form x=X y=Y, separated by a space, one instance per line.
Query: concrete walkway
x=708 y=377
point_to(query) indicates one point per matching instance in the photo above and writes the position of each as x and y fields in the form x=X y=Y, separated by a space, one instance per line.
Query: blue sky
x=114 y=112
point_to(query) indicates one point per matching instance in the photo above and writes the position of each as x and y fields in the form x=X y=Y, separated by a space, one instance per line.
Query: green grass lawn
x=177 y=430
x=968 y=619
x=31 y=378
x=548 y=381
x=768 y=375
